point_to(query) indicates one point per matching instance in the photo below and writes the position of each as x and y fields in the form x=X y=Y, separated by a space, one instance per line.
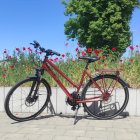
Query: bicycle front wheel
x=25 y=100
x=114 y=96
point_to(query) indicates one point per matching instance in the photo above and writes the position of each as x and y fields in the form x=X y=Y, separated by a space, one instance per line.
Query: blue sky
x=22 y=21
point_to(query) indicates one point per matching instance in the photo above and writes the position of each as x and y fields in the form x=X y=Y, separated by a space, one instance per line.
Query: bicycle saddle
x=90 y=59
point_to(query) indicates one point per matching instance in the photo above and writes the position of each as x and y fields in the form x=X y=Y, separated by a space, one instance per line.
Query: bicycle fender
x=98 y=74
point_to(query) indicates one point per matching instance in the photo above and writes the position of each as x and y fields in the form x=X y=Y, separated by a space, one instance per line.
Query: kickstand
x=76 y=112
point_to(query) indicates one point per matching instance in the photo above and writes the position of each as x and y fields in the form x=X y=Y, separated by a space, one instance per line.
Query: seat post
x=86 y=67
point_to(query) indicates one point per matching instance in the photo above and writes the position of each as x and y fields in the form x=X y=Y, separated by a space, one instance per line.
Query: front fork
x=35 y=86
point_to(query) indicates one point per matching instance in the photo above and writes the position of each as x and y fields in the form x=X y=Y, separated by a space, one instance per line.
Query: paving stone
x=62 y=128
x=64 y=138
x=45 y=137
x=125 y=136
x=83 y=138
x=75 y=133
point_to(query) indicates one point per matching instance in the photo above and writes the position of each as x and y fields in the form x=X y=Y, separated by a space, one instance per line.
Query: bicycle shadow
x=78 y=117
x=108 y=109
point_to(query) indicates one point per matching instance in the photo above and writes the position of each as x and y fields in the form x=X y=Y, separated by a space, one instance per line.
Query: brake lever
x=32 y=44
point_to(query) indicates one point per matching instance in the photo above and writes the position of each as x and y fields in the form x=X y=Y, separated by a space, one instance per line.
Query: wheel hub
x=30 y=101
x=106 y=96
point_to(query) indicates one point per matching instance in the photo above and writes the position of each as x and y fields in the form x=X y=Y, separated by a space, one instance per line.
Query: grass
x=22 y=63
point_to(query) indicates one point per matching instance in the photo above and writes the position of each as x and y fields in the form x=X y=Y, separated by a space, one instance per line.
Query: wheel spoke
x=18 y=101
x=114 y=99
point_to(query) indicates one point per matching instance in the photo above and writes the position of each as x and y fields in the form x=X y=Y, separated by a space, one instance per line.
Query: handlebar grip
x=53 y=52
x=58 y=54
x=35 y=44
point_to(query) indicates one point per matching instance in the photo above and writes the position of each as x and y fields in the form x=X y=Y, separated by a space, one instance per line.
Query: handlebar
x=48 y=52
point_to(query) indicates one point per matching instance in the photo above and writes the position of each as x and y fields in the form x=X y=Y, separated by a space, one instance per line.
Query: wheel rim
x=22 y=108
x=113 y=96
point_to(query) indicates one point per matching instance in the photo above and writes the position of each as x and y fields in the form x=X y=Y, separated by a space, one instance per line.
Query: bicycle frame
x=46 y=67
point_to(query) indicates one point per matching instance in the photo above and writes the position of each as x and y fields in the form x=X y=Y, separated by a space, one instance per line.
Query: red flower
x=99 y=63
x=17 y=49
x=76 y=49
x=120 y=61
x=30 y=50
x=103 y=57
x=89 y=50
x=24 y=49
x=4 y=75
x=56 y=59
x=99 y=51
x=96 y=52
x=4 y=70
x=131 y=48
x=11 y=67
x=131 y=60
x=113 y=49
x=5 y=51
x=10 y=57
x=83 y=53
x=63 y=55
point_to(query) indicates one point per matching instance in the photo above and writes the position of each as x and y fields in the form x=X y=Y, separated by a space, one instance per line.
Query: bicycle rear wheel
x=113 y=100
x=20 y=106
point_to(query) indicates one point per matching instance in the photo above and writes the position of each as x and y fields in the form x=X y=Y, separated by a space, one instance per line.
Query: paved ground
x=62 y=128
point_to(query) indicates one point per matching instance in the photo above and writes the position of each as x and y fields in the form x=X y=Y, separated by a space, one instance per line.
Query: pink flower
x=131 y=48
x=76 y=49
x=40 y=53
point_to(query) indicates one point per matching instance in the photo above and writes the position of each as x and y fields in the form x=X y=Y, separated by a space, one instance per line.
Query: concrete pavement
x=62 y=128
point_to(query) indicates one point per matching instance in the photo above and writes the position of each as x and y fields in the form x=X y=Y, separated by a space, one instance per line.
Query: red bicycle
x=104 y=96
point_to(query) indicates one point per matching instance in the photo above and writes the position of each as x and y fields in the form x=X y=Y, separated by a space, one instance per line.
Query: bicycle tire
x=12 y=91
x=94 y=110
